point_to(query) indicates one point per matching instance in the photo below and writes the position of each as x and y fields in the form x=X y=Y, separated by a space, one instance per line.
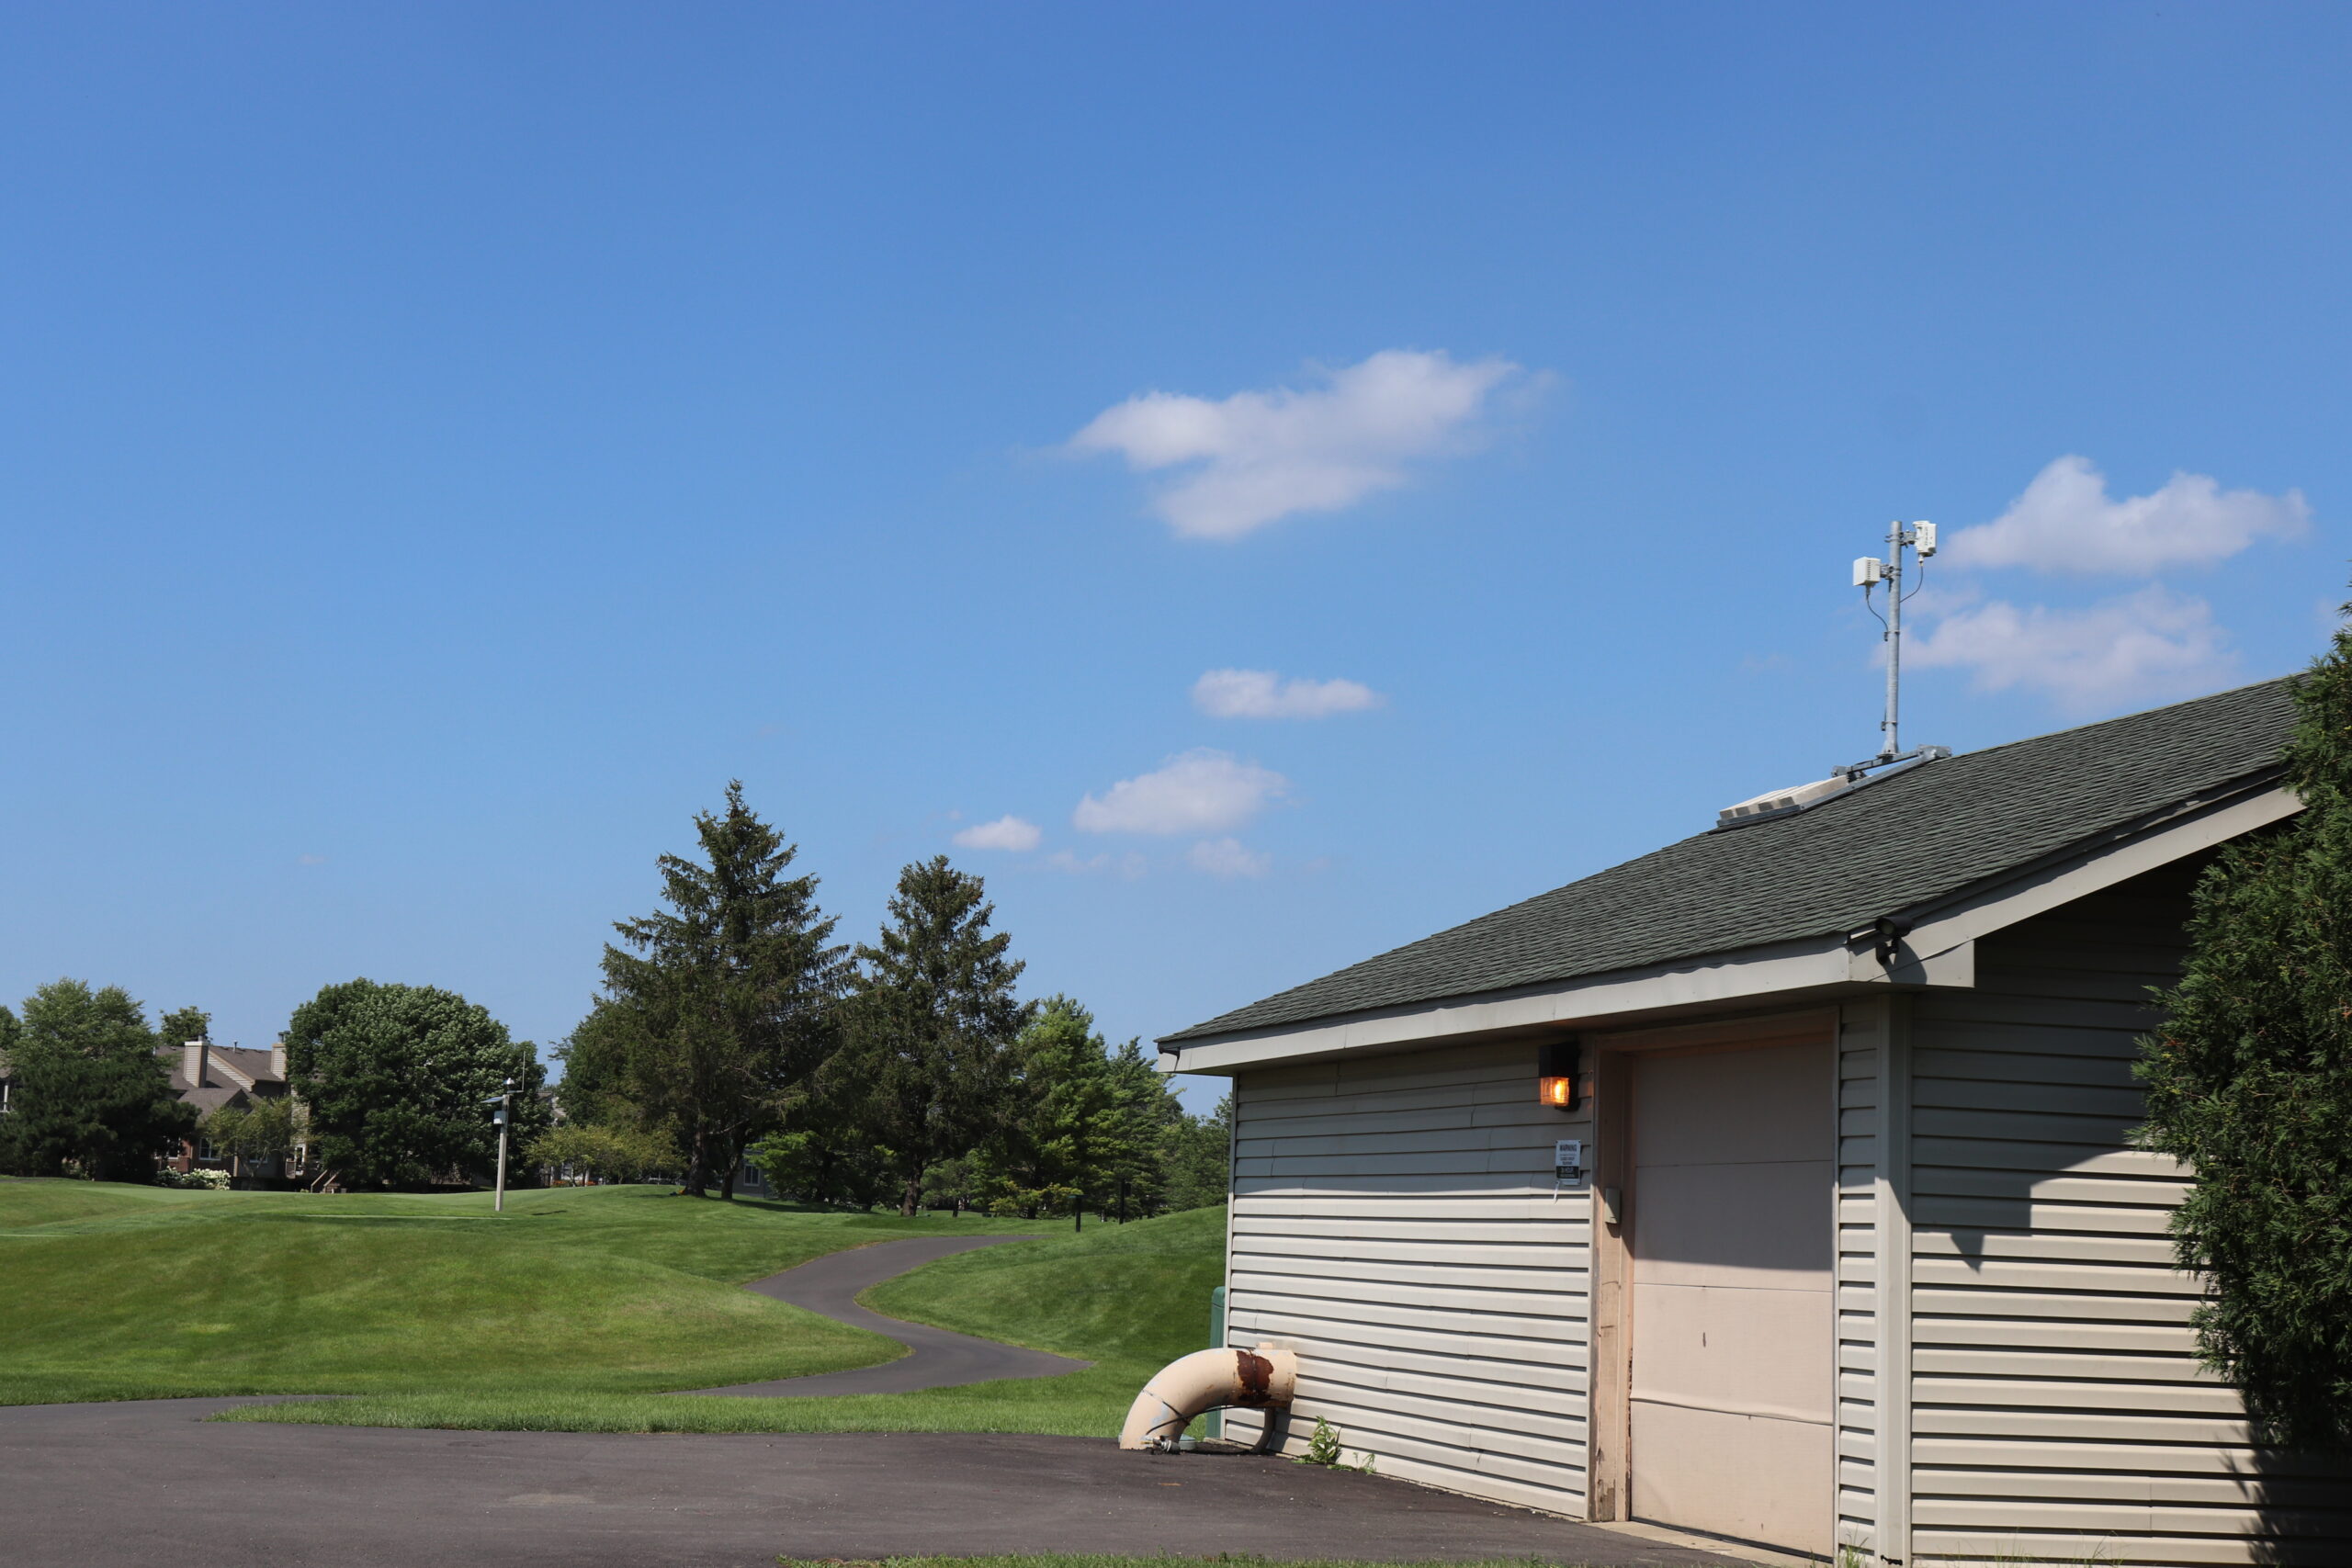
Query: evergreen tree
x=90 y=1091
x=594 y=1090
x=1054 y=1125
x=396 y=1078
x=931 y=1023
x=2250 y=1083
x=1198 y=1157
x=723 y=1003
x=1144 y=1114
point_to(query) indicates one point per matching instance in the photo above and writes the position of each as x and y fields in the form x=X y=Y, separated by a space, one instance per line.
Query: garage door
x=1732 y=1221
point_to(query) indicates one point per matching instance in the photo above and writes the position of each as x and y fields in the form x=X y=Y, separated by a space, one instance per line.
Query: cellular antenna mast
x=1919 y=538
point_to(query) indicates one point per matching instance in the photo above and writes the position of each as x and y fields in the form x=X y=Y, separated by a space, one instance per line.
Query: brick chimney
x=195 y=1060
x=277 y=1060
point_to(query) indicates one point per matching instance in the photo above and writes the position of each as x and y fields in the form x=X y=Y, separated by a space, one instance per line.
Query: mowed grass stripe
x=1129 y=1298
x=576 y=1294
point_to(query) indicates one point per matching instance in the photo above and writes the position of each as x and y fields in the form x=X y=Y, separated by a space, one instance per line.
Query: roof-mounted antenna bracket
x=1919 y=538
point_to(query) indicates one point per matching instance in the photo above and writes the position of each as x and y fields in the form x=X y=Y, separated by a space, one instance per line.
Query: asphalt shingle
x=1904 y=841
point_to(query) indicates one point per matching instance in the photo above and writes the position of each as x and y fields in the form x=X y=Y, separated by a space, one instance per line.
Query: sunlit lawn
x=111 y=1293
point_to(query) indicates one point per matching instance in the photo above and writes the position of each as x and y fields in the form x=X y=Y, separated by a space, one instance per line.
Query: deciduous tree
x=395 y=1079
x=90 y=1091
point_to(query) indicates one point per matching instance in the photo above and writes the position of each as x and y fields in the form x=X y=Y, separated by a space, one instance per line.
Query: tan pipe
x=1262 y=1379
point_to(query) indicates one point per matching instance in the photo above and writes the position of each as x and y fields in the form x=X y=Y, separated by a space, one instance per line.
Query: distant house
x=1779 y=1185
x=208 y=1077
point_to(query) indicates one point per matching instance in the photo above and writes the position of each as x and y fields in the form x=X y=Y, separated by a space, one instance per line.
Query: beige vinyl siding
x=2058 y=1411
x=1393 y=1219
x=1862 y=1040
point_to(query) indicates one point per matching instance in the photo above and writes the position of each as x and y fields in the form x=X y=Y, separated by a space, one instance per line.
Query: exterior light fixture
x=1555 y=1074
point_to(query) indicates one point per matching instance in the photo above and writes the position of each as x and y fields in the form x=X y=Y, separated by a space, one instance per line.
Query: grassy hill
x=571 y=1312
x=110 y=1291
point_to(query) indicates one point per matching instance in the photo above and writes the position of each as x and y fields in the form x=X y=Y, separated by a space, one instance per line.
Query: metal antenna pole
x=1893 y=744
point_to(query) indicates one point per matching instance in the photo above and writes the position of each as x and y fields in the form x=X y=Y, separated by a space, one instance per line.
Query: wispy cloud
x=1004 y=833
x=1227 y=858
x=1128 y=866
x=1258 y=455
x=2146 y=646
x=1197 y=792
x=1261 y=693
x=2066 y=522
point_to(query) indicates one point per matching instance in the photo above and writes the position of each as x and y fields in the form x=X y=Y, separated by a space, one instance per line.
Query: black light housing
x=1555 y=1073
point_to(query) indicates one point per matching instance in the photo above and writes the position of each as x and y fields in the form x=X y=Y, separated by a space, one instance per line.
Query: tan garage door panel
x=1779 y=1465
x=1733 y=1384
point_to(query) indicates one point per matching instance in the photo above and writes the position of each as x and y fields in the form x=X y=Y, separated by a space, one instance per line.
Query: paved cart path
x=142 y=1481
x=937 y=1358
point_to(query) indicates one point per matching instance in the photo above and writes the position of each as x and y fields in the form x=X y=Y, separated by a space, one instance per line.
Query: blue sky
x=441 y=445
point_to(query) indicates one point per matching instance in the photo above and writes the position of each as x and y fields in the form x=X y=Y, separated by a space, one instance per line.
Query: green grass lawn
x=1129 y=1298
x=576 y=1310
x=114 y=1292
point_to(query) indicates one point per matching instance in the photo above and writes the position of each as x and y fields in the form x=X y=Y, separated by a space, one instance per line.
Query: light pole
x=505 y=1102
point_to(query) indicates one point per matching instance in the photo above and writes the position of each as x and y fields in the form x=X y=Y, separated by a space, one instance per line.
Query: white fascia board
x=1964 y=920
x=1751 y=971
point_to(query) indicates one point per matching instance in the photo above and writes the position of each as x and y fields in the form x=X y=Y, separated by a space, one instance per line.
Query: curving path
x=936 y=1358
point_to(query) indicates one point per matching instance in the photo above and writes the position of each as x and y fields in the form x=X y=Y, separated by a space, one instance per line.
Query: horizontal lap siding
x=1395 y=1220
x=2059 y=1412
x=1862 y=1039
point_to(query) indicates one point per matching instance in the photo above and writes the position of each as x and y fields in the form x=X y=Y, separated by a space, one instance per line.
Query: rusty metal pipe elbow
x=1262 y=1379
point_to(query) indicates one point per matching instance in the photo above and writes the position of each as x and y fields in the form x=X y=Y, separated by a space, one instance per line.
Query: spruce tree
x=1057 y=1124
x=2250 y=1083
x=930 y=1023
x=719 y=1006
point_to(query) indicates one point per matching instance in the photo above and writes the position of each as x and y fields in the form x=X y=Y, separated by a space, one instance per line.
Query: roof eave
x=1925 y=944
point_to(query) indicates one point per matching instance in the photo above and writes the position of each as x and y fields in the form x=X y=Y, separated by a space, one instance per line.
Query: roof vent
x=1781 y=802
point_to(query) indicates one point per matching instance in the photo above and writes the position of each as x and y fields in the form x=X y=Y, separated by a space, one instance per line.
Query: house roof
x=1909 y=839
x=232 y=1068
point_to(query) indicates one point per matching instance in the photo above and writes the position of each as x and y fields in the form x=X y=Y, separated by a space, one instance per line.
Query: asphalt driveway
x=94 y=1486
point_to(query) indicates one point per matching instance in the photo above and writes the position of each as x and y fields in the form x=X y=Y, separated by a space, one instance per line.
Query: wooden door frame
x=1609 y=1405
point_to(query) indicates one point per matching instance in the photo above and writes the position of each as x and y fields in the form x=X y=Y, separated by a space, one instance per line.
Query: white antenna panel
x=1923 y=535
x=1868 y=570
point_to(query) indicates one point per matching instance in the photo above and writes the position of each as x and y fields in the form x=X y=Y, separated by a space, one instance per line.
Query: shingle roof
x=1930 y=832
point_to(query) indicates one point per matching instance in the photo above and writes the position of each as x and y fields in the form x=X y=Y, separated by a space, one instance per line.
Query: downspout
x=1264 y=1378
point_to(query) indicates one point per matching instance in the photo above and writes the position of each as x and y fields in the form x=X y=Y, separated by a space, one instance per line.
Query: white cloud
x=2150 y=645
x=1264 y=455
x=1227 y=858
x=1129 y=865
x=1004 y=833
x=2064 y=521
x=1261 y=693
x=1198 y=792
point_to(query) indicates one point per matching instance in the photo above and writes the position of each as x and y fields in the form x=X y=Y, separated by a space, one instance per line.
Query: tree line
x=389 y=1087
x=732 y=1027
